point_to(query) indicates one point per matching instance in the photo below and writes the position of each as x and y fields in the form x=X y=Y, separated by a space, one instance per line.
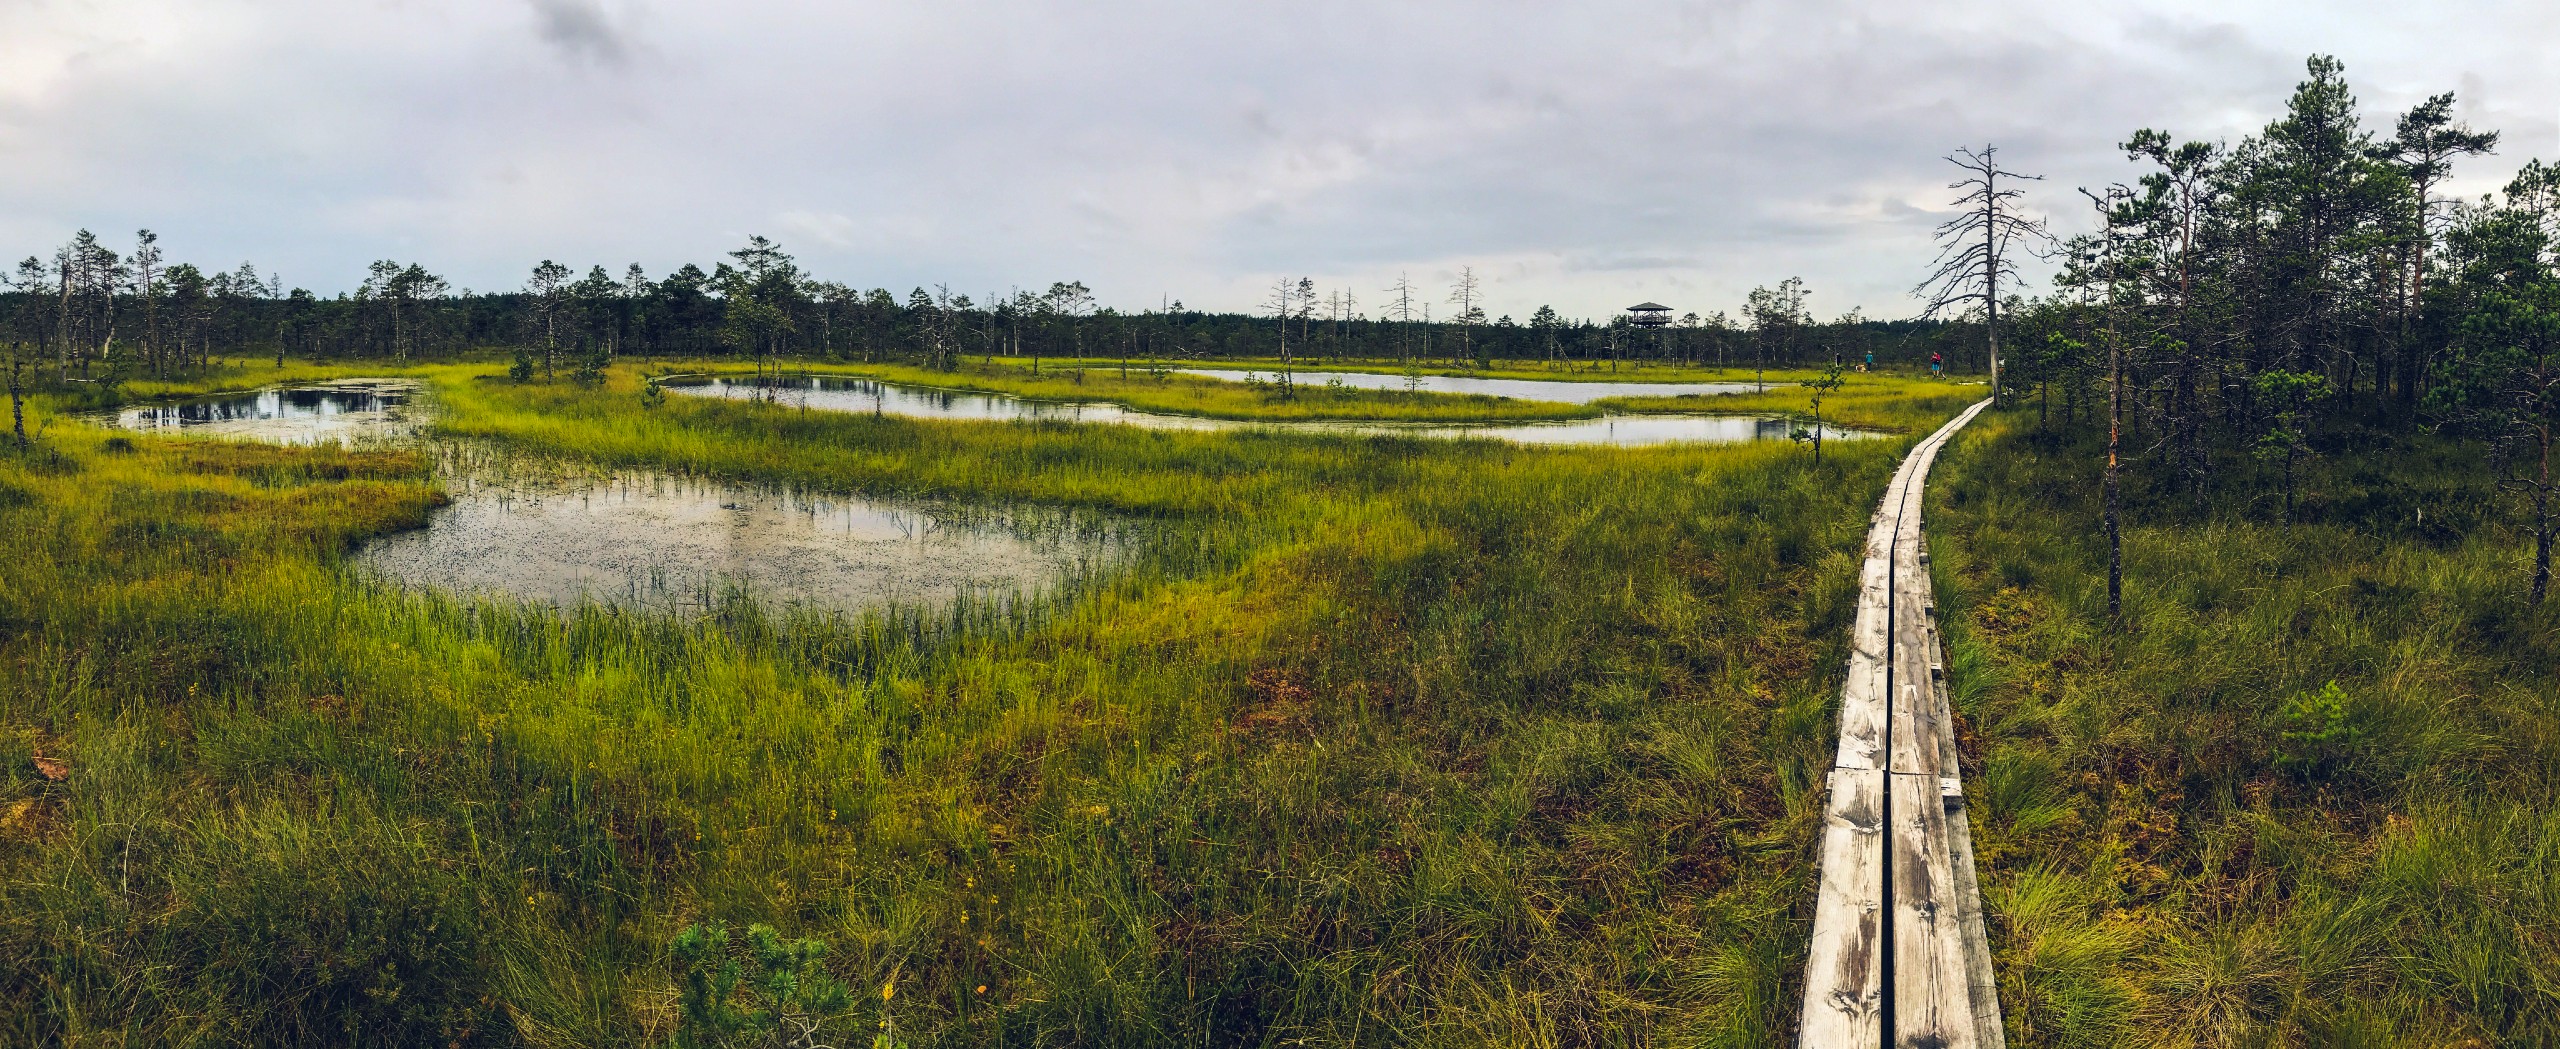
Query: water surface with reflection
x=667 y=541
x=343 y=412
x=1556 y=390
x=557 y=533
x=853 y=394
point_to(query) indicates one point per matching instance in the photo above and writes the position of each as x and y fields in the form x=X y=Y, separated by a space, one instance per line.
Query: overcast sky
x=1587 y=155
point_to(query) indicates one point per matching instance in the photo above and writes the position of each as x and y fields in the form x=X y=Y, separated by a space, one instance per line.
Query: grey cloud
x=581 y=29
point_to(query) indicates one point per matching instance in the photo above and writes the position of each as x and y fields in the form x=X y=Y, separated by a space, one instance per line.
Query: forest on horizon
x=103 y=313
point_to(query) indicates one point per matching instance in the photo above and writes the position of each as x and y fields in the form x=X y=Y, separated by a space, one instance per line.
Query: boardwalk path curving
x=1898 y=954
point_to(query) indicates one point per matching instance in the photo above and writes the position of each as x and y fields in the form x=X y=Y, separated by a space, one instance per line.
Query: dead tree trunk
x=1977 y=246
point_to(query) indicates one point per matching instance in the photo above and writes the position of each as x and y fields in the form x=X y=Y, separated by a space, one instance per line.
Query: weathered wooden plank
x=1888 y=517
x=1865 y=698
x=1942 y=715
x=1914 y=482
x=1880 y=538
x=1913 y=736
x=1932 y=1000
x=1863 y=703
x=1844 y=976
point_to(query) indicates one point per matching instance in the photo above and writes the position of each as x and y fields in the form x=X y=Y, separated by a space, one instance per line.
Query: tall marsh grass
x=2307 y=795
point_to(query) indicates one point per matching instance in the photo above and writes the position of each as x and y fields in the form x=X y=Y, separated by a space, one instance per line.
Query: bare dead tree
x=1283 y=304
x=1340 y=313
x=1974 y=247
x=1467 y=294
x=1400 y=310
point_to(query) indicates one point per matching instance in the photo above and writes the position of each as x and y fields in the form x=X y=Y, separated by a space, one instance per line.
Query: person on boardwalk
x=1936 y=360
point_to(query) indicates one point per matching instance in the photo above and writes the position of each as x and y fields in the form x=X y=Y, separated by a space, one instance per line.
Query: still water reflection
x=643 y=538
x=556 y=533
x=1517 y=389
x=345 y=411
x=851 y=394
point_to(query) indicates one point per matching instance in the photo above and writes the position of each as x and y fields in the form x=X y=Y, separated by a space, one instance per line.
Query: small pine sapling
x=1820 y=387
x=2287 y=438
x=779 y=994
x=591 y=365
x=2319 y=733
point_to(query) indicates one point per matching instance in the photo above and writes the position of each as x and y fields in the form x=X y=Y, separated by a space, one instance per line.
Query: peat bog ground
x=1434 y=741
x=1367 y=737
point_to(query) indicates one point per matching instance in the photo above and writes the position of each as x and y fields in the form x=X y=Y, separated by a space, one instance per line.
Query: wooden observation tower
x=1656 y=318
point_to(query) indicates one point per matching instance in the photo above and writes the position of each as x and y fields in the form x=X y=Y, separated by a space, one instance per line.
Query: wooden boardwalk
x=1898 y=954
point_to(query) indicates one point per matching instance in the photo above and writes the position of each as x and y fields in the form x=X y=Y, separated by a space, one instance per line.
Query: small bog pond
x=671 y=542
x=344 y=411
x=1518 y=389
x=847 y=394
x=559 y=534
x=852 y=394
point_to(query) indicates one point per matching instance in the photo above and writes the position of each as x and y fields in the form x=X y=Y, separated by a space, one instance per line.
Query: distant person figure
x=1871 y=362
x=1935 y=361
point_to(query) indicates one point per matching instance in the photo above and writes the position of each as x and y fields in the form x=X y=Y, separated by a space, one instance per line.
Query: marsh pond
x=545 y=531
x=853 y=394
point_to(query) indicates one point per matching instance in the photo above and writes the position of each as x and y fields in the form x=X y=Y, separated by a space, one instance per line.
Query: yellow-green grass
x=2186 y=839
x=1428 y=743
x=1870 y=401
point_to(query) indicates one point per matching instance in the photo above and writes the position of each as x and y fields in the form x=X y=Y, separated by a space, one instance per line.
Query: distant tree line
x=2309 y=290
x=90 y=312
